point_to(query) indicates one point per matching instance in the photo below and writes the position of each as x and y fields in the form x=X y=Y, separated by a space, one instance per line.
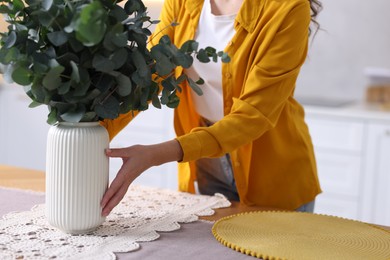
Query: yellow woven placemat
x=297 y=235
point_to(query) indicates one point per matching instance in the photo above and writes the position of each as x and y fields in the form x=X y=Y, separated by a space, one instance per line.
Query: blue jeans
x=308 y=207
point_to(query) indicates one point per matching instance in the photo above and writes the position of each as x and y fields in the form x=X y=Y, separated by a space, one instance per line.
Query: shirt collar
x=249 y=13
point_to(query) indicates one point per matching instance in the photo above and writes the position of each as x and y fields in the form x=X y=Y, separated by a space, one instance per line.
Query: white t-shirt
x=215 y=31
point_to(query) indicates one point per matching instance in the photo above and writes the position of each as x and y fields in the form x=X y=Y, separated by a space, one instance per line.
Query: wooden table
x=20 y=178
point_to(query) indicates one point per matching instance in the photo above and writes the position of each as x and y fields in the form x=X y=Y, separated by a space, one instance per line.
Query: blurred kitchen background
x=344 y=86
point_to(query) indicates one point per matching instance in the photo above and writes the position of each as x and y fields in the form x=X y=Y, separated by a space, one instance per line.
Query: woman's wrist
x=169 y=151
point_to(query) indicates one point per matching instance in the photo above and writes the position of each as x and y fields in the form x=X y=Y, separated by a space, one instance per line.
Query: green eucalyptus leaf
x=46 y=4
x=104 y=82
x=11 y=55
x=165 y=40
x=75 y=45
x=10 y=40
x=183 y=60
x=62 y=107
x=31 y=47
x=140 y=39
x=132 y=6
x=119 y=57
x=91 y=24
x=210 y=51
x=140 y=62
x=89 y=117
x=38 y=93
x=165 y=96
x=200 y=81
x=164 y=66
x=82 y=87
x=195 y=87
x=202 y=56
x=169 y=84
x=181 y=78
x=22 y=76
x=115 y=37
x=225 y=58
x=64 y=88
x=46 y=19
x=18 y=5
x=101 y=63
x=66 y=59
x=75 y=76
x=190 y=46
x=215 y=57
x=120 y=39
x=173 y=100
x=34 y=104
x=119 y=13
x=51 y=53
x=91 y=95
x=108 y=108
x=144 y=105
x=52 y=117
x=4 y=9
x=52 y=80
x=156 y=101
x=39 y=68
x=74 y=116
x=58 y=38
x=124 y=85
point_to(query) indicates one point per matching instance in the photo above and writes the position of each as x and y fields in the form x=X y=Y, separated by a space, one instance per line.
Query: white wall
x=23 y=130
x=355 y=34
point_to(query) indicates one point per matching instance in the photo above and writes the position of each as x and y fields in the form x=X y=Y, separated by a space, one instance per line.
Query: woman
x=246 y=137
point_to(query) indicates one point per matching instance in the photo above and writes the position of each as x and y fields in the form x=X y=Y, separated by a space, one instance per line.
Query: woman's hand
x=136 y=159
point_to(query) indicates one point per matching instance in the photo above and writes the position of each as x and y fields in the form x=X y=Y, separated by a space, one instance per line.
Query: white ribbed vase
x=77 y=172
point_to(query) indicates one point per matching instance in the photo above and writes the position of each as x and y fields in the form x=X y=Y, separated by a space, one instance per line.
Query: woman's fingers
x=136 y=159
x=114 y=200
x=118 y=187
x=114 y=187
x=117 y=152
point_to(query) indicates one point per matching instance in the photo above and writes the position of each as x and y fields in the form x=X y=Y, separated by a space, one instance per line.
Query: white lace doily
x=143 y=212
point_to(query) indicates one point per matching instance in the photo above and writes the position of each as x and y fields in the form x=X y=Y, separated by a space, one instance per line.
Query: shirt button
x=230 y=43
x=237 y=164
x=228 y=75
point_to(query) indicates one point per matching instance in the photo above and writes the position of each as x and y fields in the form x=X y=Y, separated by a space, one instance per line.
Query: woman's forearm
x=169 y=151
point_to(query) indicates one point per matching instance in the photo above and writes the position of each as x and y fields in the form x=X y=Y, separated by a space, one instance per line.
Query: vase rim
x=79 y=123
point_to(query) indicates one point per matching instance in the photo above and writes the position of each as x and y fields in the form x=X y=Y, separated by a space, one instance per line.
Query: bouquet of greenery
x=88 y=60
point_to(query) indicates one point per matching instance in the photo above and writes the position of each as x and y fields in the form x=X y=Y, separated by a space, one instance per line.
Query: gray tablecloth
x=192 y=241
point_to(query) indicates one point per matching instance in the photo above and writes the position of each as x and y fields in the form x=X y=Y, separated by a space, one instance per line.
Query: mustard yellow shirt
x=263 y=127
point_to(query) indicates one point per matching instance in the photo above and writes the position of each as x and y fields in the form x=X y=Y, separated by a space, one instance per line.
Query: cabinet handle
x=387 y=132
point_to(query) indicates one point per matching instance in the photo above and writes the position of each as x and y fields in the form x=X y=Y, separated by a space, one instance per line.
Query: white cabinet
x=338 y=150
x=377 y=201
x=352 y=148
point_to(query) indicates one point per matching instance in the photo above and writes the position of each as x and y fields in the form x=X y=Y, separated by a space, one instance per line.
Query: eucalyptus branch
x=174 y=23
x=108 y=95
